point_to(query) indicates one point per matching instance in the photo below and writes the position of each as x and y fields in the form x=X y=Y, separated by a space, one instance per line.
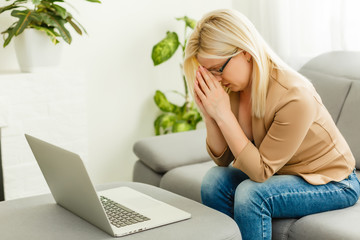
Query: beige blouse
x=297 y=136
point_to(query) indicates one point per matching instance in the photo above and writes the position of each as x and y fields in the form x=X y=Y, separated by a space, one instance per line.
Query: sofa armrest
x=166 y=152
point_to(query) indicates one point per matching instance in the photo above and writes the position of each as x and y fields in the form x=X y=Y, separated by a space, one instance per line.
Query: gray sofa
x=178 y=162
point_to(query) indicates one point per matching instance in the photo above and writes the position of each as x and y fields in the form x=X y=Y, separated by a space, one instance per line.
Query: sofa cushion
x=332 y=225
x=186 y=180
x=348 y=123
x=337 y=63
x=336 y=77
x=331 y=74
x=144 y=174
x=167 y=152
x=281 y=227
x=331 y=89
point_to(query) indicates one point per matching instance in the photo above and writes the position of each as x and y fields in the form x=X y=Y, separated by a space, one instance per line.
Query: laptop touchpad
x=142 y=203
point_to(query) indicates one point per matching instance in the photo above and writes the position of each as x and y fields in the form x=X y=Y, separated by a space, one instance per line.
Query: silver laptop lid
x=69 y=182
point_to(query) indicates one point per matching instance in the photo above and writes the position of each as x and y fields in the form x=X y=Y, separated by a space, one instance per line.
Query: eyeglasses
x=221 y=70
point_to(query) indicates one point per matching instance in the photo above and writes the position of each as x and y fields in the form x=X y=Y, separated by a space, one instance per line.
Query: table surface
x=41 y=218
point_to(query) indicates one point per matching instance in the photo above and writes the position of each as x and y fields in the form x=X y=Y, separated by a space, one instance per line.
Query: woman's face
x=237 y=73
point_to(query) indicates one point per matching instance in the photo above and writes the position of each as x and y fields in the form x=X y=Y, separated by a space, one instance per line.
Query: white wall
x=115 y=58
x=50 y=106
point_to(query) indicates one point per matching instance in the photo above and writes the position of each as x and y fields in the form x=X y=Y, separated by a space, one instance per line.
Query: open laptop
x=118 y=211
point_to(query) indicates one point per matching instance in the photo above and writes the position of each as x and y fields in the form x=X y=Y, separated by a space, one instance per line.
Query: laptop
x=118 y=211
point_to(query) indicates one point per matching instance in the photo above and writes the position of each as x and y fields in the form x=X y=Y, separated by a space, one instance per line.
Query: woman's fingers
x=196 y=97
x=208 y=77
x=199 y=92
x=198 y=102
x=202 y=84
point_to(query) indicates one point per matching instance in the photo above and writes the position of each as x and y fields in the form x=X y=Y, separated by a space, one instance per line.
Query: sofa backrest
x=336 y=77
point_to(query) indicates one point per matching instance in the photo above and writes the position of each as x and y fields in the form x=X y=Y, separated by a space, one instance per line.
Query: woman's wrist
x=209 y=120
x=223 y=117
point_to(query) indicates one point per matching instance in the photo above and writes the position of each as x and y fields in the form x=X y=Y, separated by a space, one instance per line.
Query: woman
x=289 y=158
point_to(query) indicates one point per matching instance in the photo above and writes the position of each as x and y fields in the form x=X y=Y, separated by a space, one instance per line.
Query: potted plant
x=45 y=16
x=174 y=118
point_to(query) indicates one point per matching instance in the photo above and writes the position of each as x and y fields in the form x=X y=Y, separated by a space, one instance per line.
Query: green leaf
x=157 y=124
x=57 y=23
x=36 y=2
x=181 y=126
x=23 y=22
x=162 y=102
x=190 y=115
x=164 y=50
x=76 y=27
x=10 y=34
x=35 y=19
x=60 y=11
x=164 y=121
x=191 y=23
x=77 y=23
x=167 y=121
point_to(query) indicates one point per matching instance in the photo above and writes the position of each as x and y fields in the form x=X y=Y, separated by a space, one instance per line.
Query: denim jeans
x=252 y=205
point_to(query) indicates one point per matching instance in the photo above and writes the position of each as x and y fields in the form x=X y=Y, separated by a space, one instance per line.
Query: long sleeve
x=293 y=117
x=224 y=159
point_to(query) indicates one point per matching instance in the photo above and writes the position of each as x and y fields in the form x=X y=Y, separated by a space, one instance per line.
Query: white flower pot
x=35 y=52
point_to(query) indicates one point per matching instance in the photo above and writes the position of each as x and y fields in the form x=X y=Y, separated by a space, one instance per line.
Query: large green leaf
x=164 y=50
x=167 y=121
x=181 y=126
x=24 y=20
x=157 y=124
x=58 y=23
x=60 y=11
x=162 y=102
x=191 y=115
x=191 y=23
x=164 y=121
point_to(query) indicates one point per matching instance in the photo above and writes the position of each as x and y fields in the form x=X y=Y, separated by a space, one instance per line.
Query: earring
x=249 y=60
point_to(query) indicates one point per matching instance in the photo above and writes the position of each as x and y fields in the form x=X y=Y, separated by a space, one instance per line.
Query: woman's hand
x=210 y=96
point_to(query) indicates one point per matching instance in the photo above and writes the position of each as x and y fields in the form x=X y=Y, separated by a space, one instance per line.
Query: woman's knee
x=247 y=194
x=212 y=179
x=221 y=179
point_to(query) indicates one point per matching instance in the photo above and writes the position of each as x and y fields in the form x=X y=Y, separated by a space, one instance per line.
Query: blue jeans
x=252 y=205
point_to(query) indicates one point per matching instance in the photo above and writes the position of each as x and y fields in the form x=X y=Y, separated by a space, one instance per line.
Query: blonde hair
x=217 y=35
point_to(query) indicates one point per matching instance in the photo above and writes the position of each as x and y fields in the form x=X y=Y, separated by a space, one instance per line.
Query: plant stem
x=184 y=45
x=187 y=100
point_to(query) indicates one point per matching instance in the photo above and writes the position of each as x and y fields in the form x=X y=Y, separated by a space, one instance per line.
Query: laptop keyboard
x=119 y=215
